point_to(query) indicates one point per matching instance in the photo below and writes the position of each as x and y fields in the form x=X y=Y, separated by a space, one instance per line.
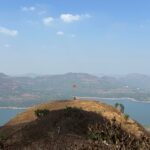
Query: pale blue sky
x=59 y=36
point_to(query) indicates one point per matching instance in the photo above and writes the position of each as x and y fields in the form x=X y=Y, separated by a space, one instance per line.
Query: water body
x=139 y=111
x=8 y=113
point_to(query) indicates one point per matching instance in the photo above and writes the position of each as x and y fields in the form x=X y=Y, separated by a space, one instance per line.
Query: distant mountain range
x=27 y=91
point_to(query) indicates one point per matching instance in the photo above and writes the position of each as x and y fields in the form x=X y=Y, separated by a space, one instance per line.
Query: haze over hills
x=26 y=90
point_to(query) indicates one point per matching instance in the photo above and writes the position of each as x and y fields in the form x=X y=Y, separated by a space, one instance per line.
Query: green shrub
x=116 y=105
x=120 y=107
x=126 y=116
x=41 y=112
x=2 y=137
x=68 y=108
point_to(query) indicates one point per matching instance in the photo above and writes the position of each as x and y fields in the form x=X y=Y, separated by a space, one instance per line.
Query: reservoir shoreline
x=114 y=99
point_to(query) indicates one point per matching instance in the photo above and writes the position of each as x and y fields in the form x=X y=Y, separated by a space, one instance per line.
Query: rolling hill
x=74 y=125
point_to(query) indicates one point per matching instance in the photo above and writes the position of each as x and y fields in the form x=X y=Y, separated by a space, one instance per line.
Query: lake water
x=139 y=111
x=6 y=114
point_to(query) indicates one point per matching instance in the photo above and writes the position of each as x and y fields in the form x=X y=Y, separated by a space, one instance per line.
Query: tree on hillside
x=120 y=107
x=116 y=105
x=41 y=112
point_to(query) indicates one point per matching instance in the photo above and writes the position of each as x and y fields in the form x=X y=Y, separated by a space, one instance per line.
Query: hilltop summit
x=74 y=125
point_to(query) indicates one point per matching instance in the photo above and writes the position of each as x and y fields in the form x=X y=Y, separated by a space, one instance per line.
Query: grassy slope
x=91 y=127
x=105 y=110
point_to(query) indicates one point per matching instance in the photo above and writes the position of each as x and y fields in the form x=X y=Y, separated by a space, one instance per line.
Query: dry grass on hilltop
x=74 y=125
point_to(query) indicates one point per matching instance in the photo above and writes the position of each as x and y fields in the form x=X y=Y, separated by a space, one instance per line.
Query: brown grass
x=105 y=110
x=74 y=125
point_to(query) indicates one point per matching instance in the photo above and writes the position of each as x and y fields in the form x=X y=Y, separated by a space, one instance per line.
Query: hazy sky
x=59 y=36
